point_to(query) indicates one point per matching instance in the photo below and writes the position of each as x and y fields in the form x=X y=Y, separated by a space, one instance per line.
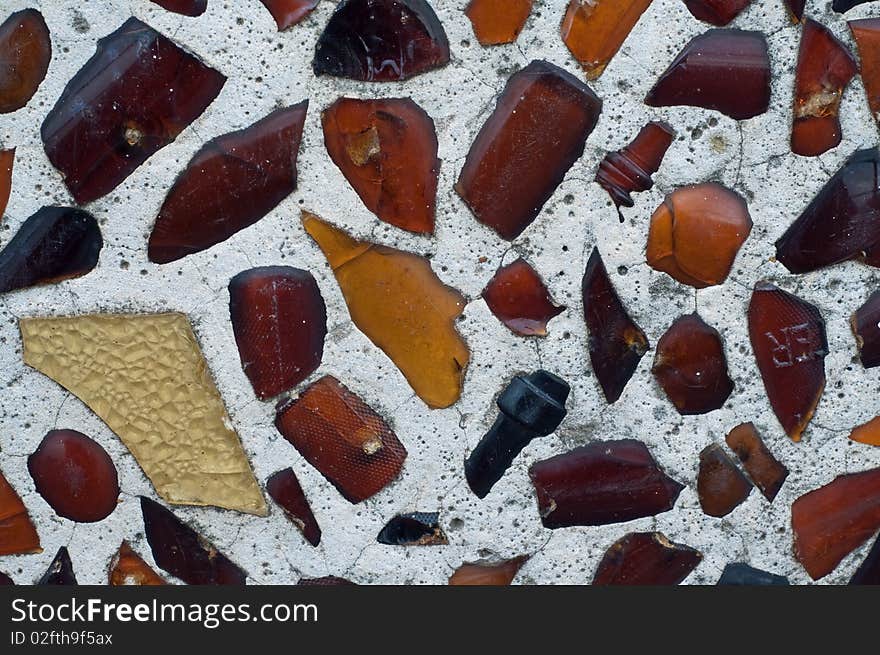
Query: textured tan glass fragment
x=146 y=377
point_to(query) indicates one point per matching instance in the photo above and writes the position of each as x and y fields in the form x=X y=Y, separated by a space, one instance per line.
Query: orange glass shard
x=17 y=531
x=25 y=51
x=866 y=33
x=498 y=21
x=869 y=433
x=487 y=574
x=763 y=468
x=128 y=568
x=518 y=297
x=397 y=300
x=7 y=159
x=289 y=12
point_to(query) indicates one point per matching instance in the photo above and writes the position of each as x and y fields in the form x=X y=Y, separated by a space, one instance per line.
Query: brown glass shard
x=60 y=571
x=129 y=569
x=629 y=170
x=537 y=132
x=17 y=531
x=601 y=483
x=25 y=52
x=869 y=433
x=498 y=21
x=75 y=475
x=697 y=232
x=519 y=299
x=788 y=338
x=868 y=572
x=486 y=574
x=866 y=33
x=413 y=529
x=185 y=7
x=721 y=486
x=285 y=489
x=5 y=580
x=397 y=300
x=7 y=159
x=763 y=468
x=326 y=581
x=387 y=150
x=616 y=343
x=146 y=377
x=865 y=324
x=716 y=12
x=381 y=41
x=342 y=437
x=832 y=521
x=646 y=558
x=280 y=321
x=288 y=13
x=824 y=69
x=795 y=9
x=722 y=69
x=131 y=99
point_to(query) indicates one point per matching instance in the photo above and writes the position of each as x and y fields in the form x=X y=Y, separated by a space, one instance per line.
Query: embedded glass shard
x=5 y=580
x=326 y=581
x=75 y=475
x=17 y=531
x=230 y=184
x=716 y=12
x=697 y=232
x=594 y=31
x=866 y=33
x=517 y=296
x=721 y=486
x=131 y=99
x=869 y=433
x=690 y=366
x=288 y=13
x=129 y=569
x=824 y=69
x=601 y=483
x=723 y=70
x=498 y=21
x=843 y=6
x=832 y=521
x=284 y=488
x=185 y=7
x=763 y=468
x=486 y=574
x=415 y=529
x=795 y=9
x=25 y=52
x=381 y=41
x=537 y=132
x=182 y=552
x=865 y=324
x=146 y=377
x=399 y=303
x=739 y=574
x=646 y=558
x=788 y=338
x=279 y=321
x=55 y=244
x=387 y=150
x=868 y=572
x=341 y=436
x=7 y=159
x=616 y=343
x=60 y=571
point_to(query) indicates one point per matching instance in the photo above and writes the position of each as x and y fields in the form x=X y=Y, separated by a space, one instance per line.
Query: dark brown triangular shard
x=284 y=488
x=60 y=571
x=129 y=569
x=289 y=12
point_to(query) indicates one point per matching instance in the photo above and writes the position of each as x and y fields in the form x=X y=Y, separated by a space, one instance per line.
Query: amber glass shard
x=519 y=299
x=326 y=581
x=387 y=150
x=75 y=475
x=289 y=12
x=342 y=437
x=145 y=375
x=132 y=98
x=646 y=558
x=285 y=489
x=868 y=572
x=381 y=41
x=866 y=33
x=720 y=484
x=691 y=368
x=869 y=433
x=521 y=155
x=594 y=31
x=601 y=483
x=865 y=324
x=824 y=69
x=795 y=9
x=744 y=575
x=725 y=70
x=56 y=243
x=185 y=7
x=763 y=468
x=5 y=580
x=60 y=571
x=396 y=299
x=129 y=569
x=7 y=158
x=17 y=532
x=498 y=21
x=280 y=321
x=832 y=521
x=616 y=343
x=25 y=51
x=788 y=338
x=415 y=529
x=716 y=12
x=697 y=232
x=486 y=574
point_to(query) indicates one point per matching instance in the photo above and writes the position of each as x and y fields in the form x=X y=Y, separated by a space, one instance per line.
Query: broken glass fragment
x=716 y=12
x=720 y=484
x=288 y=13
x=185 y=7
x=60 y=571
x=498 y=21
x=17 y=531
x=326 y=581
x=866 y=33
x=865 y=324
x=518 y=297
x=869 y=433
x=795 y=9
x=285 y=489
x=744 y=575
x=763 y=468
x=7 y=159
x=415 y=529
x=5 y=580
x=497 y=574
x=868 y=572
x=646 y=558
x=25 y=52
x=129 y=569
x=843 y=6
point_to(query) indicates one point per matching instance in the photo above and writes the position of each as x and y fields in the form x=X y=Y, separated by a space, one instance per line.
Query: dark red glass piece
x=824 y=69
x=725 y=70
x=519 y=299
x=129 y=569
x=843 y=6
x=690 y=366
x=646 y=558
x=763 y=468
x=488 y=574
x=184 y=7
x=868 y=572
x=230 y=184
x=381 y=41
x=132 y=98
x=17 y=532
x=414 y=529
x=537 y=132
x=60 y=571
x=182 y=552
x=601 y=483
x=616 y=343
x=56 y=243
x=342 y=437
x=7 y=160
x=285 y=489
x=5 y=580
x=866 y=33
x=716 y=12
x=387 y=150
x=721 y=486
x=25 y=52
x=865 y=325
x=788 y=338
x=326 y=581
x=795 y=9
x=75 y=475
x=832 y=521
x=288 y=13
x=280 y=321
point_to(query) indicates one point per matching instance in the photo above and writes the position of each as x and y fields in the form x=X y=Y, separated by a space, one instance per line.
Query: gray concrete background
x=267 y=69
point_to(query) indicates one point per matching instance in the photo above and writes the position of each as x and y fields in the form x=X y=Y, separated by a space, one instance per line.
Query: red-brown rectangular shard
x=763 y=468
x=646 y=558
x=342 y=437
